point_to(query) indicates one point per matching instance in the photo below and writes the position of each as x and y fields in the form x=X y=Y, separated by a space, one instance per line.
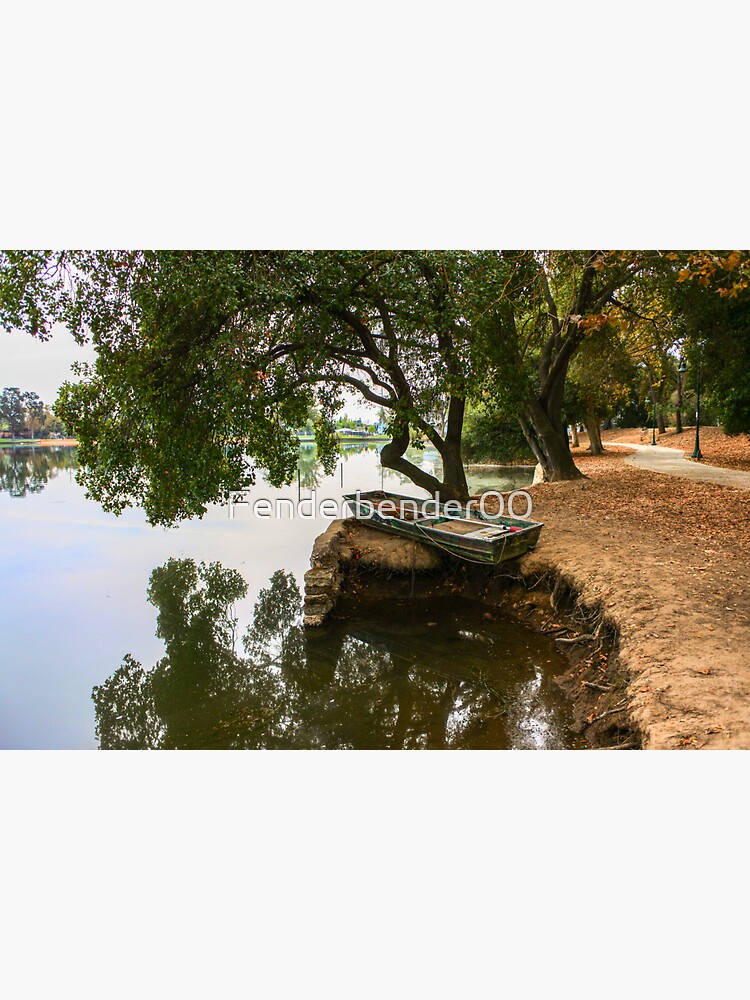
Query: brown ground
x=716 y=447
x=669 y=562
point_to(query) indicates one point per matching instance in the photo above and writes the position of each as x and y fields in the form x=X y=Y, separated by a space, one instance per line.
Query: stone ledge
x=351 y=541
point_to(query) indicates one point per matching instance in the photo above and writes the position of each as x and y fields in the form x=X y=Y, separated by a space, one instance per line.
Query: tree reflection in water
x=28 y=470
x=311 y=470
x=388 y=679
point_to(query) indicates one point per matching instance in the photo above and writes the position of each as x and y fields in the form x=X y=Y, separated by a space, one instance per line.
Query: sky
x=43 y=366
x=39 y=366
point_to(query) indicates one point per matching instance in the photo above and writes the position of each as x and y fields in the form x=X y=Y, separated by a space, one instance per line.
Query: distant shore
x=38 y=442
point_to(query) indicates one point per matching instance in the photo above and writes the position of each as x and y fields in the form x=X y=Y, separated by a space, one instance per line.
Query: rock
x=345 y=543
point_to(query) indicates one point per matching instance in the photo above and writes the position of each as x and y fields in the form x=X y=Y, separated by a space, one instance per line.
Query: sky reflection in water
x=75 y=617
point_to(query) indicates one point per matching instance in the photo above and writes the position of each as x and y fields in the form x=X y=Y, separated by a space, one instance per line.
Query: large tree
x=204 y=358
x=540 y=319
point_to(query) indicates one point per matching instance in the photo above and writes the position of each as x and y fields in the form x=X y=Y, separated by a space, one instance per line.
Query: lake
x=118 y=634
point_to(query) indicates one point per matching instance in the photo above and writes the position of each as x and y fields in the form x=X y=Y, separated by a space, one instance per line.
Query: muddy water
x=405 y=674
x=118 y=634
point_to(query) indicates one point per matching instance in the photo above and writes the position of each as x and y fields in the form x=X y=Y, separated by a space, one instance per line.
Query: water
x=191 y=637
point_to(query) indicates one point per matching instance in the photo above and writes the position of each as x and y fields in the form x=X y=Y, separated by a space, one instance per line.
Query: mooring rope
x=467 y=558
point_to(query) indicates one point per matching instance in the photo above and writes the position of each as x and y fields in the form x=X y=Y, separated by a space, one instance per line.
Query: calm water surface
x=118 y=634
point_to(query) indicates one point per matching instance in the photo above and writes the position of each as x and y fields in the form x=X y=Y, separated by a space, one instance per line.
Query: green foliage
x=631 y=412
x=713 y=318
x=176 y=398
x=25 y=413
x=207 y=361
x=327 y=443
x=204 y=358
x=601 y=375
x=51 y=424
x=12 y=410
x=488 y=437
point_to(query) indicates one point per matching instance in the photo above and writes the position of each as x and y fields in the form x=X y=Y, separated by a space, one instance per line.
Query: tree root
x=620 y=707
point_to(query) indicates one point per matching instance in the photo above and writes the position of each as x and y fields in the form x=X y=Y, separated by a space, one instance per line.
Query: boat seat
x=460 y=526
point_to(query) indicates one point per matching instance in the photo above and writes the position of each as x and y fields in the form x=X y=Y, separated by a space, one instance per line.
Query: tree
x=712 y=305
x=12 y=410
x=391 y=325
x=206 y=357
x=34 y=408
x=600 y=375
x=490 y=436
x=541 y=318
x=51 y=423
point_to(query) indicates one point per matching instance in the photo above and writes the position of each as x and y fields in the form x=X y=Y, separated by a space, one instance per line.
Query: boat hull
x=513 y=543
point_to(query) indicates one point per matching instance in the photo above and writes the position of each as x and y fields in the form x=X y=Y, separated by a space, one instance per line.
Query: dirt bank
x=667 y=562
x=349 y=545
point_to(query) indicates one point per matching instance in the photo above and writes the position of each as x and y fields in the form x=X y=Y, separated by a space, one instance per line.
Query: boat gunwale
x=491 y=551
x=524 y=524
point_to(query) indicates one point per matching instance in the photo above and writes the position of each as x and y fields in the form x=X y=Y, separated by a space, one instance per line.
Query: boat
x=467 y=534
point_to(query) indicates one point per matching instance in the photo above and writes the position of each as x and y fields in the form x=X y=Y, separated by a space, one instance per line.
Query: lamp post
x=682 y=368
x=653 y=434
x=697 y=450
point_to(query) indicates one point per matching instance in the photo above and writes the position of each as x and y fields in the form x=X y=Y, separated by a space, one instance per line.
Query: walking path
x=672 y=462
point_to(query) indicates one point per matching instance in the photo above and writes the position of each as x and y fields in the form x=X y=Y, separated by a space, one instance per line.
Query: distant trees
x=25 y=415
x=12 y=410
x=711 y=304
x=34 y=412
x=52 y=425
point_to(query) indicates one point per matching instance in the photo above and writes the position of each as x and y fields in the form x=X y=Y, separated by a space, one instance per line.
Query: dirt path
x=672 y=462
x=668 y=560
x=718 y=448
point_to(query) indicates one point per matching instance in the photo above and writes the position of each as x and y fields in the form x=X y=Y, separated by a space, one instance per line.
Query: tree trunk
x=660 y=422
x=595 y=435
x=574 y=435
x=454 y=475
x=548 y=442
x=453 y=485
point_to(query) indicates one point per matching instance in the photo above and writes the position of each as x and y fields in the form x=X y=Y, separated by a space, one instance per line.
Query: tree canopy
x=206 y=362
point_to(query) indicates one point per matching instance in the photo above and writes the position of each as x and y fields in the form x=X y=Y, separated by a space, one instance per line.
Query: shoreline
x=38 y=443
x=668 y=561
x=654 y=569
x=353 y=562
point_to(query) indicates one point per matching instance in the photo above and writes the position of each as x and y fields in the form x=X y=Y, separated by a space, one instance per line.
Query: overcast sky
x=42 y=367
x=39 y=366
